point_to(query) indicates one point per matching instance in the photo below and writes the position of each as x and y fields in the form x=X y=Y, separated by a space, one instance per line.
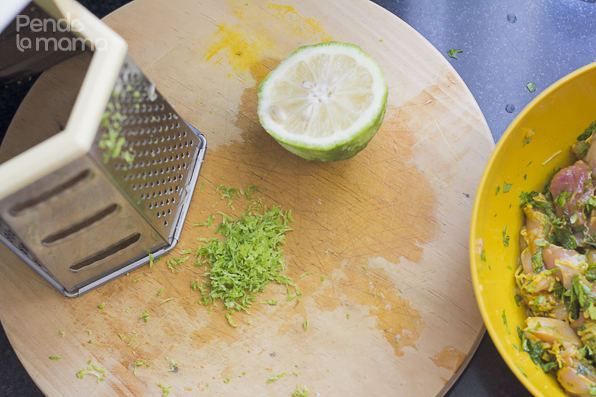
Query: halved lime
x=324 y=102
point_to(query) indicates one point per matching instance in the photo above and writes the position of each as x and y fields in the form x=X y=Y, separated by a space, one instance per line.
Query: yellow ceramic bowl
x=558 y=116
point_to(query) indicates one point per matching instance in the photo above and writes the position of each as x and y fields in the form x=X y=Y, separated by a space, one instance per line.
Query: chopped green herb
x=506 y=187
x=517 y=299
x=453 y=53
x=505 y=237
x=55 y=358
x=483 y=256
x=531 y=87
x=498 y=190
x=275 y=377
x=525 y=177
x=588 y=132
x=102 y=306
x=504 y=317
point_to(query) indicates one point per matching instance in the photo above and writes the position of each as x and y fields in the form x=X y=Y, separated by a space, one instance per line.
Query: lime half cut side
x=324 y=102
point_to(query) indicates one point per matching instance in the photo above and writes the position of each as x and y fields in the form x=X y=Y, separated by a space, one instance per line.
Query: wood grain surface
x=388 y=229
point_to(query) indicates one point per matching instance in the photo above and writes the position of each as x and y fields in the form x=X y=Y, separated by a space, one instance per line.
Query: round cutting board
x=380 y=241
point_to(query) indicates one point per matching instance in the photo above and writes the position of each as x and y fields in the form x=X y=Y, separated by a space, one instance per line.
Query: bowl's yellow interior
x=557 y=116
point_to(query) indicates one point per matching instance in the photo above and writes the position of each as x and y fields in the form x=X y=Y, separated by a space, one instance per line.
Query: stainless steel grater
x=113 y=187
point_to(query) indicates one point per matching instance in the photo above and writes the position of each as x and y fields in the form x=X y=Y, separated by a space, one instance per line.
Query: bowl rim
x=507 y=135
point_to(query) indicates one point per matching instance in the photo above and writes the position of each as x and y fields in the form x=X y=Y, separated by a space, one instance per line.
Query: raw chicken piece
x=552 y=253
x=551 y=330
x=575 y=180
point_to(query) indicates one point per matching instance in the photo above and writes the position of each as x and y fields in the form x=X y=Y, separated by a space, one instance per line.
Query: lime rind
x=341 y=145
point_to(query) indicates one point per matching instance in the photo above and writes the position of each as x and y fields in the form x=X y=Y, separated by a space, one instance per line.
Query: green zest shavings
x=226 y=380
x=301 y=391
x=102 y=306
x=173 y=366
x=166 y=300
x=132 y=338
x=271 y=302
x=230 y=321
x=453 y=53
x=166 y=389
x=202 y=186
x=55 y=358
x=505 y=237
x=175 y=262
x=275 y=377
x=160 y=291
x=137 y=364
x=92 y=370
x=305 y=325
x=112 y=142
x=348 y=316
x=62 y=333
x=531 y=87
x=145 y=316
x=248 y=259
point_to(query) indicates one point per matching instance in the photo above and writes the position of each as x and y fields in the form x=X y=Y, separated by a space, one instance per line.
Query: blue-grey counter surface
x=506 y=44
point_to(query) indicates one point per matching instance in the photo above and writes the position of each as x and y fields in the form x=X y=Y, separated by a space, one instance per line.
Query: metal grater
x=105 y=212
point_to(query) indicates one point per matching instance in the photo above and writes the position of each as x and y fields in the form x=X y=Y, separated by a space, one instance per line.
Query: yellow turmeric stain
x=262 y=34
x=308 y=28
x=240 y=51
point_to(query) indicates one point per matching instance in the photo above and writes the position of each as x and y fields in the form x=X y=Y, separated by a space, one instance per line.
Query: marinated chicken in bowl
x=556 y=279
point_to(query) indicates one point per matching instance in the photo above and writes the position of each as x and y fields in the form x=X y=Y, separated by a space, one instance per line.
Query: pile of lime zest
x=166 y=300
x=55 y=358
x=166 y=389
x=175 y=262
x=153 y=260
x=132 y=338
x=248 y=259
x=305 y=325
x=102 y=306
x=92 y=370
x=301 y=391
x=227 y=192
x=139 y=363
x=271 y=302
x=275 y=377
x=160 y=291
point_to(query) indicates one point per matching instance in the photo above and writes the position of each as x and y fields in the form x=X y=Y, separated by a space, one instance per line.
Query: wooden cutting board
x=388 y=229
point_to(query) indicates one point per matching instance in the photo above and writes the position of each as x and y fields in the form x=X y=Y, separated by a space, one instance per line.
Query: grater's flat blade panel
x=146 y=149
x=77 y=225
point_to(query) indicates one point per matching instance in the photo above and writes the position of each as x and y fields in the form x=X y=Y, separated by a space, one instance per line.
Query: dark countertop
x=505 y=44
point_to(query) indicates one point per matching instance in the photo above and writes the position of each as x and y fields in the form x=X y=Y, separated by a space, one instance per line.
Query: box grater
x=111 y=189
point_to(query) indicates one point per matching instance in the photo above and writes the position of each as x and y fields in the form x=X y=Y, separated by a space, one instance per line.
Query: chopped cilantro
x=483 y=256
x=562 y=198
x=537 y=261
x=505 y=237
x=506 y=187
x=498 y=190
x=504 y=317
x=531 y=87
x=588 y=132
x=453 y=53
x=517 y=299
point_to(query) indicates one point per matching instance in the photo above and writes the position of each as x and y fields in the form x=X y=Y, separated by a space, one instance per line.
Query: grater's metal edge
x=178 y=228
